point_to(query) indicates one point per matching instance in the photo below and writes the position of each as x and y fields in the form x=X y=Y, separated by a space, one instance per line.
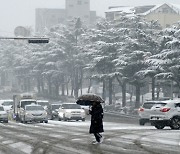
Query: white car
x=3 y=115
x=34 y=112
x=71 y=111
x=7 y=104
x=166 y=113
x=145 y=111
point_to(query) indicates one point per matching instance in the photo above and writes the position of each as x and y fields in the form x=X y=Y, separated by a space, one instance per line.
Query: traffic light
x=38 y=40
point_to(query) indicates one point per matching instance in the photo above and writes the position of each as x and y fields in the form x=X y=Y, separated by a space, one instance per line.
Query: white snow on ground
x=24 y=147
x=165 y=138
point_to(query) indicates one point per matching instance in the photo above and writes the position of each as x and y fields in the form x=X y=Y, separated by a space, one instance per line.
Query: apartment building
x=46 y=17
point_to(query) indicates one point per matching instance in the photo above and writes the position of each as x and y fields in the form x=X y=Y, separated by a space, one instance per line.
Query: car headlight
x=28 y=114
x=82 y=111
x=45 y=113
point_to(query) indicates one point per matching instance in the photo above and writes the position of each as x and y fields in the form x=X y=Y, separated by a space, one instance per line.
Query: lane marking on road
x=8 y=142
x=22 y=147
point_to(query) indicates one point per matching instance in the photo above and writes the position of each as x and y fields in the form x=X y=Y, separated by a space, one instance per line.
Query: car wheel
x=83 y=119
x=64 y=118
x=5 y=121
x=141 y=122
x=59 y=119
x=46 y=121
x=175 y=123
x=159 y=126
x=24 y=120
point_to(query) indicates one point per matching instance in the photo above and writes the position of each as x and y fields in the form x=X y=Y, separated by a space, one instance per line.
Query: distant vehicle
x=85 y=105
x=3 y=114
x=54 y=109
x=35 y=113
x=20 y=101
x=7 y=104
x=166 y=113
x=47 y=106
x=71 y=111
x=145 y=111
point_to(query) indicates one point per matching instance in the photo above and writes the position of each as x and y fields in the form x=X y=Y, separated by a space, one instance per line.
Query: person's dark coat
x=96 y=119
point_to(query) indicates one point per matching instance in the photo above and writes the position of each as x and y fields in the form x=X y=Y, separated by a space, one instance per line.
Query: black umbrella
x=87 y=99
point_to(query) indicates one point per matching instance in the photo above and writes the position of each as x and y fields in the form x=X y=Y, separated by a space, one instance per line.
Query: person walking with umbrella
x=96 y=127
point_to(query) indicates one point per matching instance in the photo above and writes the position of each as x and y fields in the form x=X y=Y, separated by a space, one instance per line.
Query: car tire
x=159 y=126
x=59 y=119
x=64 y=118
x=175 y=123
x=83 y=119
x=24 y=120
x=141 y=122
x=46 y=121
x=5 y=121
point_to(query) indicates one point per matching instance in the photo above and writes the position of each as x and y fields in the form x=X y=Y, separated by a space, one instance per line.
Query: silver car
x=34 y=112
x=3 y=115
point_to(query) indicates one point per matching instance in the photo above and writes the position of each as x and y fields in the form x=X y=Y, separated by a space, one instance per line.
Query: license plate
x=156 y=118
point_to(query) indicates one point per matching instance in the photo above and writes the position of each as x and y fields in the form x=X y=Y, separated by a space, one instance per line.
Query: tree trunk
x=63 y=86
x=137 y=105
x=49 y=87
x=104 y=90
x=42 y=85
x=153 y=88
x=76 y=85
x=57 y=90
x=72 y=86
x=39 y=85
x=89 y=87
x=110 y=91
x=124 y=94
x=81 y=80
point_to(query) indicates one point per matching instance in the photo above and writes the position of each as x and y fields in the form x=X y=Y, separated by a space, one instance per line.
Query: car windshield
x=7 y=103
x=24 y=103
x=55 y=106
x=1 y=108
x=34 y=108
x=148 y=105
x=43 y=103
x=71 y=106
x=159 y=104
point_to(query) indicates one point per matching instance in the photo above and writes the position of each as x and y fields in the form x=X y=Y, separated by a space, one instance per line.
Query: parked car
x=7 y=104
x=145 y=111
x=71 y=111
x=3 y=114
x=166 y=113
x=54 y=109
x=34 y=112
x=47 y=106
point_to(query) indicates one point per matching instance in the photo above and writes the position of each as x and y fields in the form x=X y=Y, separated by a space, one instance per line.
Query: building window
x=165 y=10
x=79 y=2
x=86 y=16
x=71 y=5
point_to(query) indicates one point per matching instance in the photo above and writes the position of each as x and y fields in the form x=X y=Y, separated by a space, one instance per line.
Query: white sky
x=15 y=13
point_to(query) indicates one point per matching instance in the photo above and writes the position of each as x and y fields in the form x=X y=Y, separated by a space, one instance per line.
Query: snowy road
x=58 y=137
